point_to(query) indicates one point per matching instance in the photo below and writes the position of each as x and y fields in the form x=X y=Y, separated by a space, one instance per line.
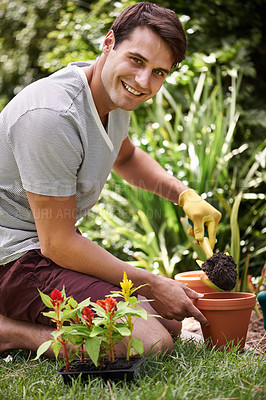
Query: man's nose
x=143 y=78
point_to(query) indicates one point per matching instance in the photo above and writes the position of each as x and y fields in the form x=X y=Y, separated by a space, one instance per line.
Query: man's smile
x=130 y=89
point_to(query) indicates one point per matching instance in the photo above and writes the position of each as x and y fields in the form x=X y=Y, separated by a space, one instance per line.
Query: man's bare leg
x=173 y=327
x=23 y=335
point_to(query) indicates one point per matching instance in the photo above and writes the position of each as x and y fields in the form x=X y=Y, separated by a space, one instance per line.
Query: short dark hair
x=162 y=21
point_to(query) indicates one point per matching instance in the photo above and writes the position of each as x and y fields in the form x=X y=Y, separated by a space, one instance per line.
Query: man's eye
x=158 y=72
x=136 y=60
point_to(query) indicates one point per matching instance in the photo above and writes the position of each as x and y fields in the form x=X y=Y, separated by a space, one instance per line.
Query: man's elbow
x=51 y=249
x=46 y=249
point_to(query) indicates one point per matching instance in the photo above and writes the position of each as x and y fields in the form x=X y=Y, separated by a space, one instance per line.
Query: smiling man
x=134 y=71
x=59 y=139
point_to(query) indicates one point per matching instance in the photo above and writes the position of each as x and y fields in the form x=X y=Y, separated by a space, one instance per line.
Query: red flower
x=88 y=316
x=57 y=297
x=108 y=305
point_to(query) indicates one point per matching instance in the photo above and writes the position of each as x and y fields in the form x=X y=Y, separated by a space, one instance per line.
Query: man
x=59 y=139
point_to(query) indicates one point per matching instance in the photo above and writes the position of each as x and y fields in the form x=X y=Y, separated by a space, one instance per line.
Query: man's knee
x=163 y=343
x=154 y=336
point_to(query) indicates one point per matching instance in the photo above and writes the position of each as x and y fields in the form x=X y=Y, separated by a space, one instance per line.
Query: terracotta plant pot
x=228 y=314
x=193 y=280
x=119 y=370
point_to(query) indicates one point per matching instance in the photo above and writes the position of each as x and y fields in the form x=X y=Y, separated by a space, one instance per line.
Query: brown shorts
x=19 y=280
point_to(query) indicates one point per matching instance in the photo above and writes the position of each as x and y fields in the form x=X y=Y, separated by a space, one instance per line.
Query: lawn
x=190 y=372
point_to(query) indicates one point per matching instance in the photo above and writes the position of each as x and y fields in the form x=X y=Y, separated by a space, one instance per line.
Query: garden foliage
x=206 y=126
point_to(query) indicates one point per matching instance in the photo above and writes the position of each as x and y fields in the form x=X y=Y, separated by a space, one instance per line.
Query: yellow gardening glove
x=204 y=216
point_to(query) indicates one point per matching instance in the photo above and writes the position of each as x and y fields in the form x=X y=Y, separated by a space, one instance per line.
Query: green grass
x=190 y=372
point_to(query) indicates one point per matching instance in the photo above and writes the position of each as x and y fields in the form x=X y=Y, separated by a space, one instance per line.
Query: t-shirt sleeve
x=48 y=152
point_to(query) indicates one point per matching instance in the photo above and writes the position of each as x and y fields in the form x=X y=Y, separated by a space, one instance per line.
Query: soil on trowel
x=221 y=270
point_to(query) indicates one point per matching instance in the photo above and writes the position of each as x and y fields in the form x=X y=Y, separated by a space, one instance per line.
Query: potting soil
x=119 y=363
x=221 y=270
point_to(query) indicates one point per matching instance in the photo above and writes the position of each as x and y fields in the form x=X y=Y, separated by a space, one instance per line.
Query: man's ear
x=109 y=42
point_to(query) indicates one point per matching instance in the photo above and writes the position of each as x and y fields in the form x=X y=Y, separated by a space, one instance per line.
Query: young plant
x=93 y=328
x=111 y=331
x=131 y=302
x=64 y=310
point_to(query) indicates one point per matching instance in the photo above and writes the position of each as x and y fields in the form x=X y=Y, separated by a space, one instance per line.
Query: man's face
x=135 y=71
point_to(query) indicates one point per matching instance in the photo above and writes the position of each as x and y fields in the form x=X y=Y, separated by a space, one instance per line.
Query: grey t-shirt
x=52 y=143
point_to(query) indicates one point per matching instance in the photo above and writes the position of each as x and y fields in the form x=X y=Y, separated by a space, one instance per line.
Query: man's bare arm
x=141 y=170
x=55 y=221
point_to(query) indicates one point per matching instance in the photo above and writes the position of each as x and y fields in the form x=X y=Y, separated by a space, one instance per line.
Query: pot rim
x=190 y=275
x=226 y=301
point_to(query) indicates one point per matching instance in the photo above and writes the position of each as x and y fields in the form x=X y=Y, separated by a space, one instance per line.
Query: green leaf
x=63 y=291
x=97 y=330
x=68 y=315
x=74 y=330
x=42 y=349
x=123 y=330
x=244 y=282
x=199 y=262
x=57 y=334
x=46 y=299
x=122 y=305
x=133 y=300
x=72 y=302
x=212 y=285
x=137 y=288
x=235 y=234
x=76 y=340
x=139 y=312
x=99 y=311
x=138 y=345
x=50 y=314
x=151 y=236
x=56 y=346
x=85 y=303
x=100 y=321
x=93 y=345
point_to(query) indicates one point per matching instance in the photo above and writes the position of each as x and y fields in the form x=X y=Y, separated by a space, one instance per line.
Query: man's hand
x=202 y=214
x=172 y=300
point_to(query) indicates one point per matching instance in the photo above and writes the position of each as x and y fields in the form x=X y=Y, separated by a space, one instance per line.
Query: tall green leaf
x=235 y=235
